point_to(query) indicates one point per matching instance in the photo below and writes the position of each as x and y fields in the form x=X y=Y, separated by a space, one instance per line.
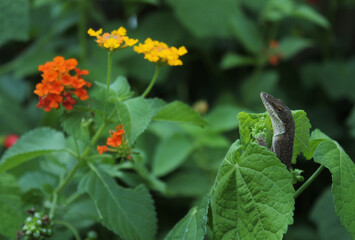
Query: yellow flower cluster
x=159 y=52
x=114 y=40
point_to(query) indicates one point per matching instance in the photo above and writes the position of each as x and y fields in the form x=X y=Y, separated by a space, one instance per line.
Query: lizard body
x=283 y=126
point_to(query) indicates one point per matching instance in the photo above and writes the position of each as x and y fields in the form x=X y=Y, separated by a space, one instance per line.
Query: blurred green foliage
x=228 y=65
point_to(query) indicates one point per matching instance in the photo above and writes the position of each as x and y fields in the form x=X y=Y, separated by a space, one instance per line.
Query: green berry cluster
x=37 y=226
x=297 y=175
x=259 y=130
x=124 y=151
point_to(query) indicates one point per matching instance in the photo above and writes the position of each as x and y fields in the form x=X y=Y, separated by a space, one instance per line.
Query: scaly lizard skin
x=283 y=126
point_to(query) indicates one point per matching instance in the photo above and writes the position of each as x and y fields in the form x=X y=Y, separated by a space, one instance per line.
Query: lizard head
x=279 y=113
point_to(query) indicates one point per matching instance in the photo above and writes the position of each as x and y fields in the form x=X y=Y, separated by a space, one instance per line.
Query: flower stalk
x=108 y=82
x=309 y=181
x=152 y=82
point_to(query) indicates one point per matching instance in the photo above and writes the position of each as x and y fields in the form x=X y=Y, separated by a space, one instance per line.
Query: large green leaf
x=331 y=155
x=171 y=153
x=303 y=126
x=193 y=225
x=323 y=215
x=135 y=116
x=253 y=195
x=32 y=144
x=14 y=20
x=316 y=138
x=11 y=216
x=127 y=212
x=181 y=113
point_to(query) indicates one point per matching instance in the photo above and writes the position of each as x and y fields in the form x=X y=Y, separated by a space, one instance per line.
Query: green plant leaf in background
x=323 y=215
x=35 y=143
x=14 y=19
x=127 y=212
x=316 y=138
x=119 y=89
x=209 y=19
x=11 y=216
x=331 y=155
x=223 y=118
x=193 y=225
x=181 y=113
x=135 y=115
x=308 y=13
x=164 y=161
x=303 y=126
x=232 y=60
x=290 y=46
x=253 y=195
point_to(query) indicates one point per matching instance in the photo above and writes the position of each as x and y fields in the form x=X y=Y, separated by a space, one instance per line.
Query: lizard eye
x=279 y=109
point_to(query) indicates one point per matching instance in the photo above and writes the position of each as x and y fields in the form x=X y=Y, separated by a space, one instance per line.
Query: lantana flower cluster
x=114 y=40
x=160 y=52
x=59 y=85
x=275 y=54
x=116 y=143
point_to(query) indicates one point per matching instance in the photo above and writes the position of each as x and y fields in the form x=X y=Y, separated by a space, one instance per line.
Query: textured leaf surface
x=253 y=195
x=181 y=113
x=330 y=154
x=323 y=215
x=127 y=212
x=135 y=116
x=10 y=206
x=303 y=126
x=14 y=20
x=171 y=153
x=32 y=144
x=316 y=138
x=193 y=225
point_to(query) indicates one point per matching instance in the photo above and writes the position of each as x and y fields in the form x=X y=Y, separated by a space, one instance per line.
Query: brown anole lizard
x=283 y=126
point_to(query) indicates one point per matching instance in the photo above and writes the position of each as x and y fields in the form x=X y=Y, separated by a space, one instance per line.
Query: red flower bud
x=10 y=140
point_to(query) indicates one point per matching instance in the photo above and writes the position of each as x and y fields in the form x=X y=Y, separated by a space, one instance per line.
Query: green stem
x=108 y=82
x=151 y=84
x=60 y=188
x=309 y=181
x=69 y=226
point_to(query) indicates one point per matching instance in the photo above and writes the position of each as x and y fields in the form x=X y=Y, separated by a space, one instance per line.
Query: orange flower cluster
x=114 y=40
x=58 y=85
x=116 y=139
x=275 y=54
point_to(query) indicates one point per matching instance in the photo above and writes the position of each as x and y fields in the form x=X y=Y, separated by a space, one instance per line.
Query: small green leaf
x=14 y=19
x=308 y=13
x=32 y=144
x=193 y=225
x=253 y=195
x=181 y=113
x=74 y=123
x=252 y=124
x=223 y=118
x=232 y=60
x=135 y=116
x=127 y=212
x=303 y=126
x=164 y=161
x=331 y=155
x=290 y=46
x=276 y=10
x=11 y=216
x=323 y=215
x=119 y=89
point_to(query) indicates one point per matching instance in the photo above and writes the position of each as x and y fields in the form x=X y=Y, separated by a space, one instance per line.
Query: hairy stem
x=151 y=84
x=309 y=181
